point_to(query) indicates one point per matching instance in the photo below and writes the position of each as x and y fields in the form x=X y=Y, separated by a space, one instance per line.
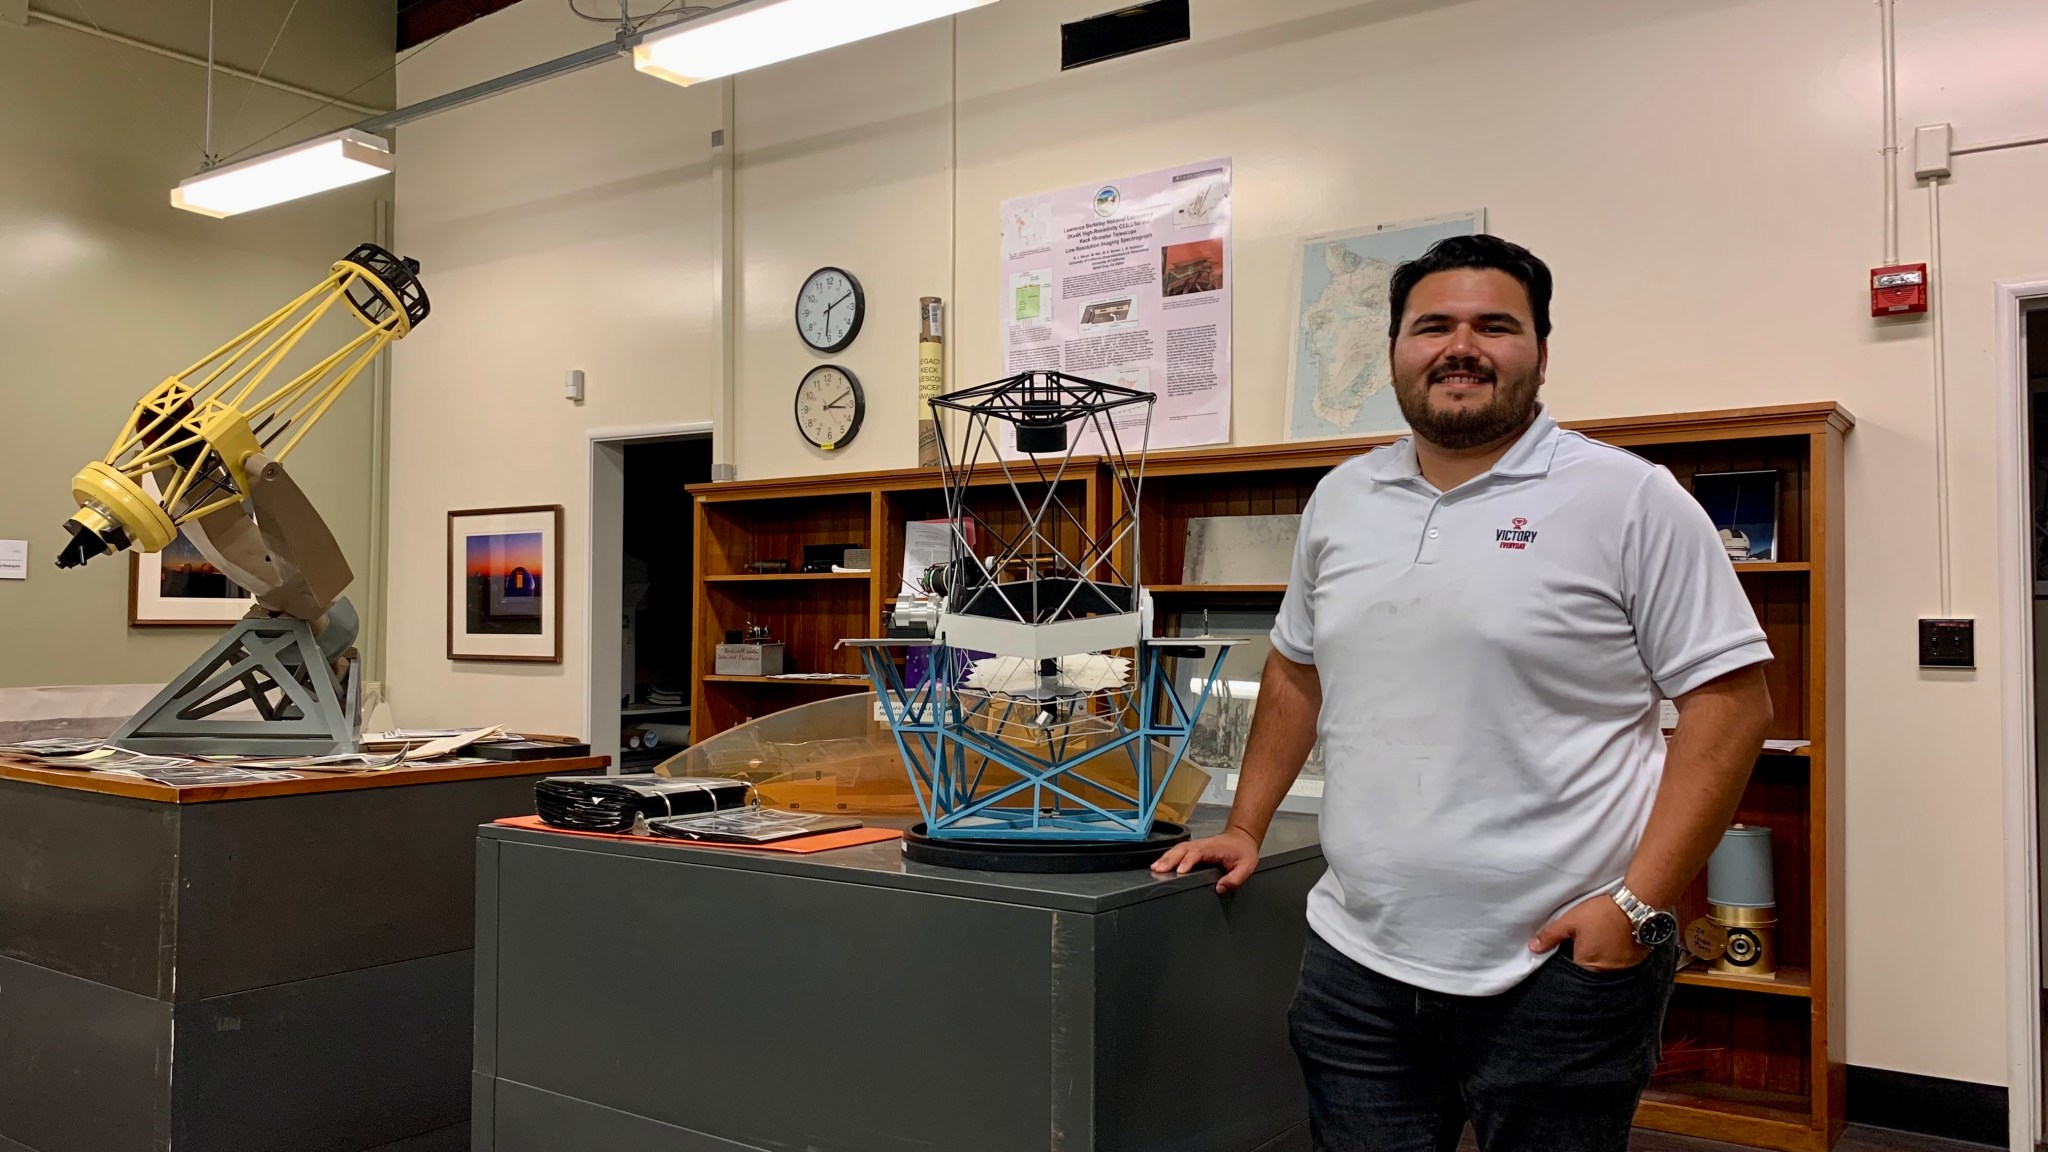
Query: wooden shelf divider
x=783 y=577
x=1788 y=982
x=790 y=682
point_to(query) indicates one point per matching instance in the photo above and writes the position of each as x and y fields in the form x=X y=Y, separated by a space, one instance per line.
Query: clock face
x=829 y=407
x=829 y=309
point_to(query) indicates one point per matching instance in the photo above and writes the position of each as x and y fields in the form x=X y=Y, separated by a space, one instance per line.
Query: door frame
x=603 y=560
x=2013 y=299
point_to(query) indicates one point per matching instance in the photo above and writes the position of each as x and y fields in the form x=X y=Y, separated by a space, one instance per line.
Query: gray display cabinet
x=640 y=997
x=270 y=967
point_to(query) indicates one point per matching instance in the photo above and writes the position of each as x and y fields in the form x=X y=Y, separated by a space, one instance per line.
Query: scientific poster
x=1127 y=282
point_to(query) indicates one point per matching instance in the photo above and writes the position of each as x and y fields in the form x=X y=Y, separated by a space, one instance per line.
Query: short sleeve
x=1692 y=619
x=1294 y=631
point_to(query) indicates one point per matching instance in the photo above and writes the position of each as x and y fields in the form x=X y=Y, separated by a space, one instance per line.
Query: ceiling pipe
x=38 y=16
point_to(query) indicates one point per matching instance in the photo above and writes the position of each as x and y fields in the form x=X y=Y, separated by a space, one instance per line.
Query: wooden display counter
x=284 y=964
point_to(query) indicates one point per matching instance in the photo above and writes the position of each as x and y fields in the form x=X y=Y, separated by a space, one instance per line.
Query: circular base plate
x=1043 y=856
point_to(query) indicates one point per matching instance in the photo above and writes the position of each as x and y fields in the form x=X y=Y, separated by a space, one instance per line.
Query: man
x=1479 y=624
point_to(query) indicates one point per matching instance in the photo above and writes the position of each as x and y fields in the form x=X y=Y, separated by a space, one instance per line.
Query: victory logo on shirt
x=1517 y=534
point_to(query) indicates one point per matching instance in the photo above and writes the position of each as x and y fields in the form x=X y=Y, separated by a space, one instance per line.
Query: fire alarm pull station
x=1898 y=290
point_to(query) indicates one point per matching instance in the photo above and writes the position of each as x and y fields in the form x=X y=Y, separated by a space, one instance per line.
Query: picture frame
x=1744 y=509
x=179 y=588
x=504 y=584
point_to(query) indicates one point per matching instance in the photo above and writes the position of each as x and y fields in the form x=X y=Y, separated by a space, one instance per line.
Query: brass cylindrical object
x=1752 y=940
x=931 y=376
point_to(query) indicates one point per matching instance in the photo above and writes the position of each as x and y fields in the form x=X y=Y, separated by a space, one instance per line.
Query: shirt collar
x=1528 y=456
x=1531 y=455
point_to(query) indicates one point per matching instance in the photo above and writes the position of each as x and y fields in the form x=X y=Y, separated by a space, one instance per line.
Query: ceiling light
x=756 y=32
x=345 y=157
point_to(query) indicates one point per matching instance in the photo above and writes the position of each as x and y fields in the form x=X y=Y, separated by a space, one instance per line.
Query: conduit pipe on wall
x=724 y=296
x=1890 y=68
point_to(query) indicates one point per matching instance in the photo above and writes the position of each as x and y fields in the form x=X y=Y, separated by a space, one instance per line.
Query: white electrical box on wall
x=1932 y=144
x=572 y=386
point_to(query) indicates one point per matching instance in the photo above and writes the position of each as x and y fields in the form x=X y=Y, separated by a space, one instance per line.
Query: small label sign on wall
x=13 y=559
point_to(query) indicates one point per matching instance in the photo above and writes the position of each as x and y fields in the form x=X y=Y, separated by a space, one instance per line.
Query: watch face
x=829 y=407
x=829 y=309
x=1660 y=928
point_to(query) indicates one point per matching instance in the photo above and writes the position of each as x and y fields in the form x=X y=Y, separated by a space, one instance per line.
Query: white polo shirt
x=1491 y=660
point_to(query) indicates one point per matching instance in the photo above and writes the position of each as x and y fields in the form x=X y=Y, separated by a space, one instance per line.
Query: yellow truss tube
x=192 y=434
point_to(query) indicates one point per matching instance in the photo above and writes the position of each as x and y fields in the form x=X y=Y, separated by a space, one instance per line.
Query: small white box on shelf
x=749 y=660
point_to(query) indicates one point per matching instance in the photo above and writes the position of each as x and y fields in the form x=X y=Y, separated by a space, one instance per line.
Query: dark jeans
x=1555 y=1064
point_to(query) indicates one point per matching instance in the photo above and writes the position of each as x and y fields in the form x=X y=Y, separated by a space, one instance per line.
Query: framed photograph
x=180 y=588
x=504 y=592
x=1744 y=506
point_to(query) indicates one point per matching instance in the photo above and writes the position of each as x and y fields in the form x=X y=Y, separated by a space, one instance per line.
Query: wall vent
x=1122 y=32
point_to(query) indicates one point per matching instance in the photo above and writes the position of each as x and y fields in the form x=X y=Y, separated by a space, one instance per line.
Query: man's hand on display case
x=1234 y=851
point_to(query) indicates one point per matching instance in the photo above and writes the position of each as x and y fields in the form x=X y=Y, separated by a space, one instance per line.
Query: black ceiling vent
x=1123 y=32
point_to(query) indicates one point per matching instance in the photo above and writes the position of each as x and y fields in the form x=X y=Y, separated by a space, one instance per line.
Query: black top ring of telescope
x=1041 y=405
x=399 y=275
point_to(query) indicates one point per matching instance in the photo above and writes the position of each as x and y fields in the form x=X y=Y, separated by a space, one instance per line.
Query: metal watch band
x=1633 y=907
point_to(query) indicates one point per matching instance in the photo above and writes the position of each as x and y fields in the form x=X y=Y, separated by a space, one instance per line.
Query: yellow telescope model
x=195 y=433
x=203 y=453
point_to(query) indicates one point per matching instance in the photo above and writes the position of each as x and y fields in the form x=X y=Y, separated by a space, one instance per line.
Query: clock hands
x=835 y=304
x=839 y=403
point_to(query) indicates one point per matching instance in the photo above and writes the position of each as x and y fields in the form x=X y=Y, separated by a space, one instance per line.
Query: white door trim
x=604 y=496
x=2016 y=680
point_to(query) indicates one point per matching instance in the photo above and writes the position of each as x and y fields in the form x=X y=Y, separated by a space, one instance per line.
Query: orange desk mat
x=798 y=846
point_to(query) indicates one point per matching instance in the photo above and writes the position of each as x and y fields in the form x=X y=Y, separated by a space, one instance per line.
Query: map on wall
x=1339 y=380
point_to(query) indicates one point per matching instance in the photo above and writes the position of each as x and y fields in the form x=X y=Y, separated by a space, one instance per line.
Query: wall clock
x=829 y=309
x=830 y=407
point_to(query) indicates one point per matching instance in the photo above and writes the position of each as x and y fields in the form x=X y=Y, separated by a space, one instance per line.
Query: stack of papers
x=93 y=756
x=382 y=750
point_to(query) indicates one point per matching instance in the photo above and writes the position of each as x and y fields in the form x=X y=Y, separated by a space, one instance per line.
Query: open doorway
x=657 y=597
x=642 y=564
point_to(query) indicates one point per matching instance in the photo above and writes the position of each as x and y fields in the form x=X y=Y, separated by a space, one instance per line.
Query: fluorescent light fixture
x=756 y=32
x=345 y=157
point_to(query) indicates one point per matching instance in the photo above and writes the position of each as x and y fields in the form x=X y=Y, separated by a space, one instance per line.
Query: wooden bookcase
x=739 y=522
x=1776 y=1074
x=1775 y=1079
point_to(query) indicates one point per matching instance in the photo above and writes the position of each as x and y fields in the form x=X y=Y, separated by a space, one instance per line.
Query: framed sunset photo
x=179 y=587
x=504 y=592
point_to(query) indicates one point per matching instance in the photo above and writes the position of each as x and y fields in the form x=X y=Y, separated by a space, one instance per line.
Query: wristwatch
x=1653 y=926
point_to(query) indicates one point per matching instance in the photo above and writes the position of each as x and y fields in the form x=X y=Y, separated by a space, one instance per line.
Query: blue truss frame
x=947 y=755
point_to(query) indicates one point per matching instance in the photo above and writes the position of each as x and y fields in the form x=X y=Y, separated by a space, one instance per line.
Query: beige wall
x=1704 y=178
x=105 y=289
x=561 y=226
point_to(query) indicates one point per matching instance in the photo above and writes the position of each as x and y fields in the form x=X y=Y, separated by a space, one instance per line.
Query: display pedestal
x=244 y=968
x=639 y=996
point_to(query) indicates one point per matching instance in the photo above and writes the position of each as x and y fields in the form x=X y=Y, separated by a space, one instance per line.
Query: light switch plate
x=1948 y=643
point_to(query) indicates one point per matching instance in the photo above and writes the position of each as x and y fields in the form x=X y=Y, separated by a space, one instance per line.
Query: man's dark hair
x=1475 y=252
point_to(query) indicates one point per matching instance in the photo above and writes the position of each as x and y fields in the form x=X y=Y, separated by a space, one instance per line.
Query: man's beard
x=1512 y=408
